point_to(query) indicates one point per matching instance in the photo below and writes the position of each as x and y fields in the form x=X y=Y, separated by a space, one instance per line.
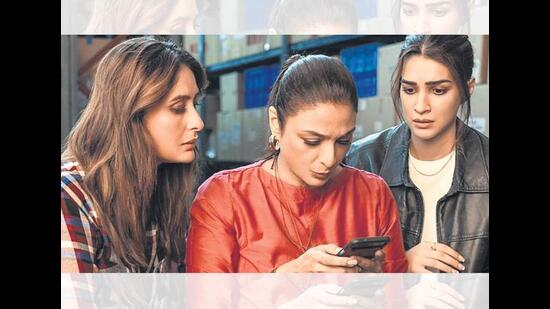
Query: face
x=174 y=123
x=431 y=16
x=430 y=98
x=181 y=17
x=314 y=142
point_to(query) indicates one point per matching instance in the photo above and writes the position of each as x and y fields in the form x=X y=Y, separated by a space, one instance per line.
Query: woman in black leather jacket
x=435 y=164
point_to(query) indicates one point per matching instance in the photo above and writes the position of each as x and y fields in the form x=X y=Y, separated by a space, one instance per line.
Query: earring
x=273 y=143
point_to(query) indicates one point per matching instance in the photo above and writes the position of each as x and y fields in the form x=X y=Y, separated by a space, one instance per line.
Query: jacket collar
x=471 y=173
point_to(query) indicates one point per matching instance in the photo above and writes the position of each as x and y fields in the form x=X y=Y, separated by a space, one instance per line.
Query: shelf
x=326 y=44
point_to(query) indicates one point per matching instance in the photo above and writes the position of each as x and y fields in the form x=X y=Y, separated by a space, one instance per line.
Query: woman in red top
x=295 y=209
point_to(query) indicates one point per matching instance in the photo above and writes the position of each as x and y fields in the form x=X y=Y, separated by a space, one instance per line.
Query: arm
x=212 y=243
x=390 y=226
x=77 y=245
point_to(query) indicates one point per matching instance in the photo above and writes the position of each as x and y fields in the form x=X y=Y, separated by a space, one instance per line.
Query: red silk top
x=238 y=223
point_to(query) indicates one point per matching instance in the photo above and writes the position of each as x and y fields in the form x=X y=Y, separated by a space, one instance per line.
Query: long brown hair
x=122 y=175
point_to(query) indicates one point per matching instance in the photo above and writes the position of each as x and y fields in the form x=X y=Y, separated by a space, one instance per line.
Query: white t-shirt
x=432 y=188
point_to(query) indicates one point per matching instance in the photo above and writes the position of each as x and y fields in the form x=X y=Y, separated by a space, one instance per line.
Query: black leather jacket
x=462 y=214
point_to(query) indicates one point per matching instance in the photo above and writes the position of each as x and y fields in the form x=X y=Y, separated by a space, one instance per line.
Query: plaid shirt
x=84 y=246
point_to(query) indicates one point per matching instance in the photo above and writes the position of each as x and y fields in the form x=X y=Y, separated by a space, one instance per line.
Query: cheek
x=299 y=153
x=407 y=105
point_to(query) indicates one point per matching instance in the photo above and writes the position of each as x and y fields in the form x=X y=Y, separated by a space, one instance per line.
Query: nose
x=422 y=25
x=328 y=156
x=195 y=122
x=422 y=104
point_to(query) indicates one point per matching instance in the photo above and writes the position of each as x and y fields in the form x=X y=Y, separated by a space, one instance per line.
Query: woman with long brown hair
x=128 y=166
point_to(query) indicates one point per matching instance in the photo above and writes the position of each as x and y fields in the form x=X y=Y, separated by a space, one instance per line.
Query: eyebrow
x=436 y=4
x=323 y=136
x=430 y=83
x=182 y=97
x=427 y=4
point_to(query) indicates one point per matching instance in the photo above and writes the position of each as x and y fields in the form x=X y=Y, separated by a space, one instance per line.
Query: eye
x=408 y=90
x=311 y=142
x=439 y=91
x=440 y=11
x=344 y=142
x=409 y=11
x=178 y=108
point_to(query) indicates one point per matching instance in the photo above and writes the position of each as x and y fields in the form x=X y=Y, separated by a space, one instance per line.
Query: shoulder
x=369 y=152
x=362 y=177
x=480 y=140
x=224 y=181
x=73 y=196
x=377 y=140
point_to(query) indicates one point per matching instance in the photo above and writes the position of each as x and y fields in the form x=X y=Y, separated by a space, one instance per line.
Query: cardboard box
x=300 y=38
x=191 y=45
x=274 y=41
x=212 y=49
x=374 y=115
x=238 y=46
x=479 y=117
x=88 y=47
x=231 y=91
x=228 y=136
x=212 y=107
x=254 y=133
x=388 y=56
x=480 y=45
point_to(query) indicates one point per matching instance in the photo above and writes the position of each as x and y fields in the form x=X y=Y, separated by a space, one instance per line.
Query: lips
x=191 y=142
x=423 y=121
x=321 y=175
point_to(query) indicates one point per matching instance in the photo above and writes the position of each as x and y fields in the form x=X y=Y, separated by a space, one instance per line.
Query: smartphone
x=366 y=287
x=364 y=246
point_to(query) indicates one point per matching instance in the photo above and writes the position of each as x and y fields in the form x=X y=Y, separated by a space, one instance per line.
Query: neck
x=282 y=172
x=435 y=148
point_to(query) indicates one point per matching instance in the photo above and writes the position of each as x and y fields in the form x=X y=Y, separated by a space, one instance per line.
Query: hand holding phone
x=365 y=246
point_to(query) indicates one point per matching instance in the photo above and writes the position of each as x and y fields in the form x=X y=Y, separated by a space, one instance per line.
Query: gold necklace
x=438 y=171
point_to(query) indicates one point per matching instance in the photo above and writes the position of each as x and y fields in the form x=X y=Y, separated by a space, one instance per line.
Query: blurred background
x=241 y=70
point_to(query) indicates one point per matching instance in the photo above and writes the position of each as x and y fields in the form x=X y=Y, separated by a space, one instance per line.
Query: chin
x=313 y=182
x=424 y=135
x=184 y=158
x=188 y=158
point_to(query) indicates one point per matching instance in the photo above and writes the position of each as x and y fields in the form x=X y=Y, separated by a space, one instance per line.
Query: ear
x=274 y=122
x=472 y=85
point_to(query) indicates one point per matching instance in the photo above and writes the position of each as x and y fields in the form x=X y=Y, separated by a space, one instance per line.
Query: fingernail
x=462 y=267
x=352 y=262
x=462 y=259
x=455 y=271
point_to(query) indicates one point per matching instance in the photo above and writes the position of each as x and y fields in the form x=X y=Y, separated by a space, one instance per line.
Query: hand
x=322 y=259
x=371 y=265
x=429 y=294
x=435 y=255
x=321 y=296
